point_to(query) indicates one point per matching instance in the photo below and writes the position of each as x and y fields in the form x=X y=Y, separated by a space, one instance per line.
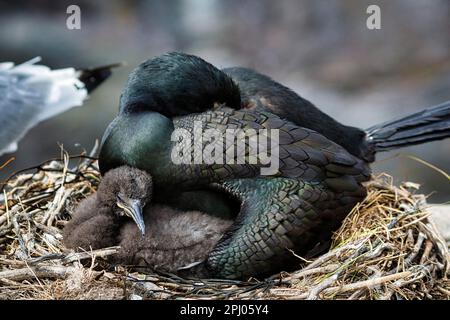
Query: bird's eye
x=120 y=197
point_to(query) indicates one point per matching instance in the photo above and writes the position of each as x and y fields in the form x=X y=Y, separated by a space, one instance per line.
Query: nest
x=387 y=248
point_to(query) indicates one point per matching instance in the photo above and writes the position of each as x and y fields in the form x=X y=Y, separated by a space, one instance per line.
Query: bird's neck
x=140 y=140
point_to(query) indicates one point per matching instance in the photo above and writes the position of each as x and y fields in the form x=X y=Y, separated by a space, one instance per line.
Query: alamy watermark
x=229 y=146
x=73 y=21
x=373 y=22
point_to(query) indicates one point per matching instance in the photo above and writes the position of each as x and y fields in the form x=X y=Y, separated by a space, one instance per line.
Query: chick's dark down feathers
x=173 y=239
x=92 y=226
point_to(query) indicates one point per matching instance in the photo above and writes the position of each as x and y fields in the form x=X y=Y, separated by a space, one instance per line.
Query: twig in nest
x=100 y=253
x=308 y=272
x=51 y=272
x=76 y=256
x=376 y=274
x=368 y=283
x=426 y=251
x=7 y=162
x=314 y=292
x=420 y=238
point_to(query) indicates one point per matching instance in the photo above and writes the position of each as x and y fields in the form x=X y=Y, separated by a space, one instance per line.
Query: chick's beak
x=133 y=209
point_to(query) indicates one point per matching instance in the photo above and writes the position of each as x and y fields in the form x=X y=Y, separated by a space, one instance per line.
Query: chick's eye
x=120 y=198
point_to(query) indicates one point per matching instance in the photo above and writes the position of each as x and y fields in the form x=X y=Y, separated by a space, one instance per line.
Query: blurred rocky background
x=321 y=49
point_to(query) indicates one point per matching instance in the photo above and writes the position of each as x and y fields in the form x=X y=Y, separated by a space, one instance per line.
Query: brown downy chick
x=169 y=239
x=96 y=222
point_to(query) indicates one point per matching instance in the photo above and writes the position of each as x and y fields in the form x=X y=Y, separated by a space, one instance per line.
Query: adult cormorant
x=322 y=164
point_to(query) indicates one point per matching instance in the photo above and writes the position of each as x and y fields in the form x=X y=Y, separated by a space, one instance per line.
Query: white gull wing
x=31 y=93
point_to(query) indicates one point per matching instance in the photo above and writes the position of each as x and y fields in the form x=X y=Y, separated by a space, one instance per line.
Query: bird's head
x=126 y=190
x=177 y=84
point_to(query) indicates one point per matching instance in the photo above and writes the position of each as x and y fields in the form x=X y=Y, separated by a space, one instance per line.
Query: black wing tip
x=93 y=77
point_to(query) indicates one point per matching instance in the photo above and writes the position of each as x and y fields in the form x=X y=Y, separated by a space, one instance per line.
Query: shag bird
x=322 y=163
x=169 y=240
x=31 y=93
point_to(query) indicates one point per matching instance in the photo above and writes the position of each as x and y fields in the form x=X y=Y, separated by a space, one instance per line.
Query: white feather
x=31 y=93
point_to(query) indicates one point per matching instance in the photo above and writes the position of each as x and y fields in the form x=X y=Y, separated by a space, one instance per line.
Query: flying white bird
x=31 y=93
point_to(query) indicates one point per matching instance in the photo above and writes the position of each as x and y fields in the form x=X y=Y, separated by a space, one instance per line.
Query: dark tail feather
x=427 y=125
x=93 y=77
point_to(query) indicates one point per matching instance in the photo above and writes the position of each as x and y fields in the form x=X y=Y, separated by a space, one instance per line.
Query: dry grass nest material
x=387 y=248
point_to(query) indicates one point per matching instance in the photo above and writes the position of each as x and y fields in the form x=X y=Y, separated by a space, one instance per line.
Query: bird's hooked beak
x=133 y=209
